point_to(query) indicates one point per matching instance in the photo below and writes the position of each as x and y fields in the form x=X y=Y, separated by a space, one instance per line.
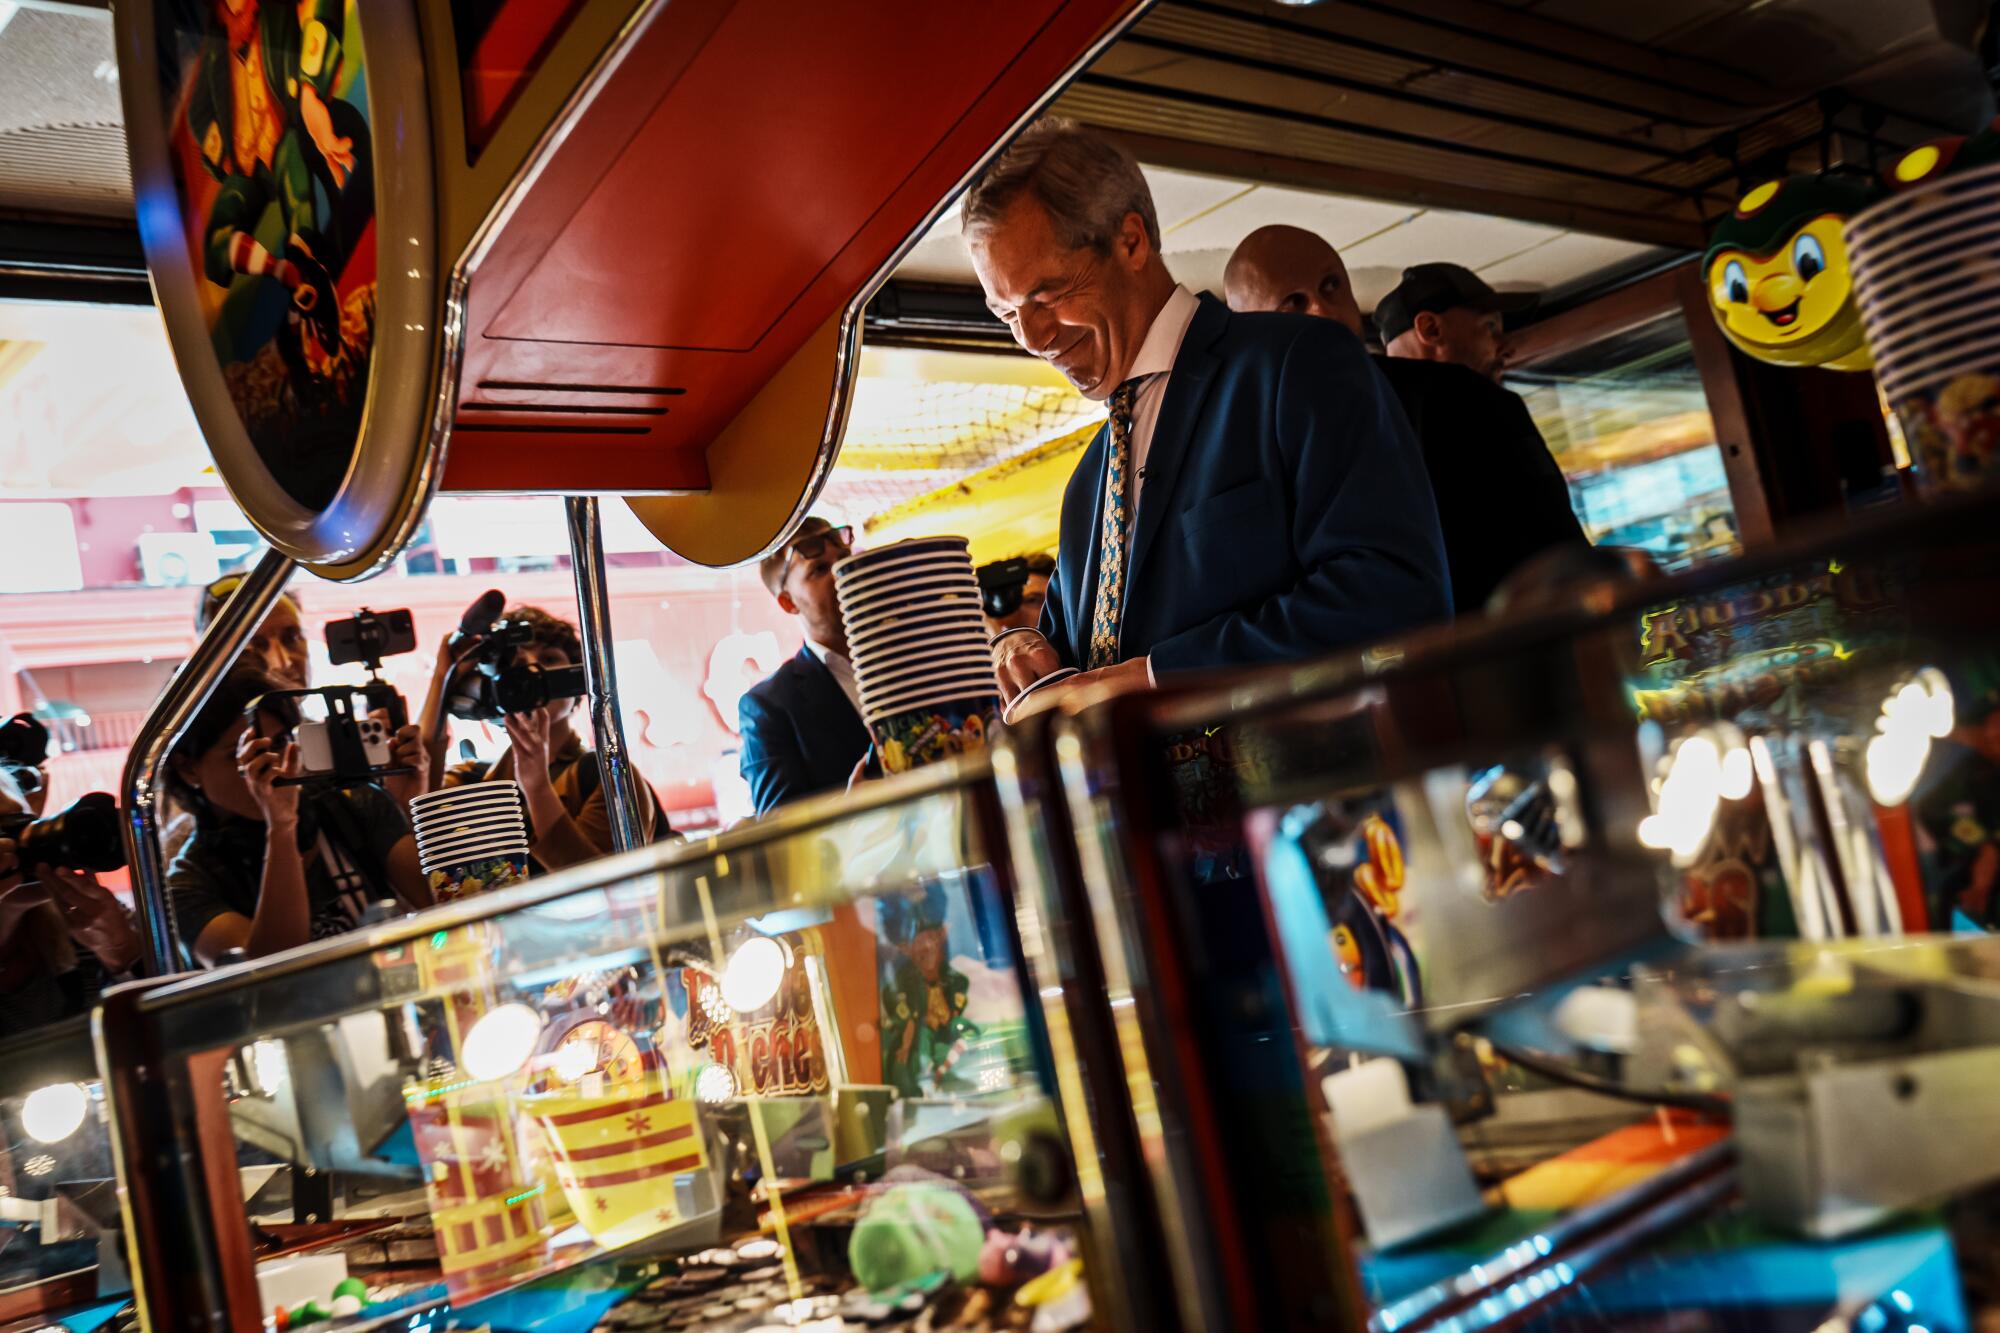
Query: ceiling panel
x=1462 y=238
x=1342 y=219
x=1559 y=262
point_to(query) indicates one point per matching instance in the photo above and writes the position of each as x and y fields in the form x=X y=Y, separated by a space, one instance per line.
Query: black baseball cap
x=1437 y=288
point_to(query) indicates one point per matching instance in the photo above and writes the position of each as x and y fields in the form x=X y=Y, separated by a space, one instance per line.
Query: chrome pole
x=184 y=695
x=593 y=605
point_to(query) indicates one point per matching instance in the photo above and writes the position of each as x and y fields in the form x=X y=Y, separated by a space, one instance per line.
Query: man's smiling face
x=1082 y=311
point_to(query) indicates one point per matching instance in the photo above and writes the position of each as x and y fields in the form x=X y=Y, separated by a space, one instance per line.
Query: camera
x=498 y=685
x=367 y=637
x=87 y=836
x=345 y=747
x=24 y=741
x=1001 y=585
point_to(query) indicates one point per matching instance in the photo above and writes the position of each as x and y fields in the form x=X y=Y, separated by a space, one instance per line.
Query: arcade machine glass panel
x=1538 y=974
x=783 y=1078
x=61 y=1261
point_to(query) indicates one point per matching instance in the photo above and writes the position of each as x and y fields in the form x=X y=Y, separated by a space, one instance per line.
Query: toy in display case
x=1588 y=985
x=788 y=1078
x=62 y=1260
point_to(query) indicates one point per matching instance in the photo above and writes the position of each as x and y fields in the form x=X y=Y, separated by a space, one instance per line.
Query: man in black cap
x=1446 y=312
x=1501 y=499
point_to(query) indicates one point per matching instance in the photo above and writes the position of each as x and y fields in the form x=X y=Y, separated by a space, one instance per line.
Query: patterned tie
x=1109 y=610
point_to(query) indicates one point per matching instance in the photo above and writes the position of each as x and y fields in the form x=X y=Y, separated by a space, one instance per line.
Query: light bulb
x=714 y=1085
x=1895 y=761
x=500 y=1042
x=1738 y=773
x=52 y=1114
x=753 y=976
x=575 y=1060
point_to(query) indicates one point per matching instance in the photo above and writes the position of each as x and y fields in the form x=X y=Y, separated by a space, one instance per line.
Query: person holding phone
x=272 y=863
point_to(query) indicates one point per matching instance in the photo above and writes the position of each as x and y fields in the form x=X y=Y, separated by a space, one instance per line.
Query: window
x=1627 y=419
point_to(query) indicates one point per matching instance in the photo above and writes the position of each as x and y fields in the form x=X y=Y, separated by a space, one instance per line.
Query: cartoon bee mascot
x=1777 y=273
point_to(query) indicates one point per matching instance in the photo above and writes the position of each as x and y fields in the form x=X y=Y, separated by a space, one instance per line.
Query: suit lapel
x=1082 y=535
x=1187 y=390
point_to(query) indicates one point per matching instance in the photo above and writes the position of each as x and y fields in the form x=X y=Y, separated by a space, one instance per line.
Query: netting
x=909 y=438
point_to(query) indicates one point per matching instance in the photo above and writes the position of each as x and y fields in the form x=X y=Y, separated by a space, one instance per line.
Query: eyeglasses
x=813 y=545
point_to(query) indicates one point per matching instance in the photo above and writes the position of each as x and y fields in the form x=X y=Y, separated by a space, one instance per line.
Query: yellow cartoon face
x=1794 y=306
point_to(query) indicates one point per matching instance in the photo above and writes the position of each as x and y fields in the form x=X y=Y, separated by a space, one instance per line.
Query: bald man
x=1501 y=498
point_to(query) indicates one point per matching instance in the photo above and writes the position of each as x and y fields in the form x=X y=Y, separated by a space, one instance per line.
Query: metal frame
x=186 y=692
x=600 y=667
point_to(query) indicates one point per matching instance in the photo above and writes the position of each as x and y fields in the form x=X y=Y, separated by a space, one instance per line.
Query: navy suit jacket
x=1285 y=511
x=801 y=735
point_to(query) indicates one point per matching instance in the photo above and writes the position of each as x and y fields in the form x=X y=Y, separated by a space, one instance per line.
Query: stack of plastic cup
x=471 y=838
x=921 y=653
x=1926 y=264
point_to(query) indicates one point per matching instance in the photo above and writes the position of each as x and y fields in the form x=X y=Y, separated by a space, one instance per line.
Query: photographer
x=63 y=936
x=559 y=778
x=1015 y=591
x=272 y=866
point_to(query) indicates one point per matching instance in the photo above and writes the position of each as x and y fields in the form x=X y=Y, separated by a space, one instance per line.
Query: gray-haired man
x=1256 y=495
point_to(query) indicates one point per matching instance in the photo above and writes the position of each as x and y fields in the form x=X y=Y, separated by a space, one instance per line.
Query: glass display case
x=793 y=1077
x=62 y=1262
x=1617 y=968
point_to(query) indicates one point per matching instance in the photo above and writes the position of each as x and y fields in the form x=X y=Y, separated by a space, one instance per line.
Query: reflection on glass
x=60 y=1259
x=1628 y=422
x=792 y=1083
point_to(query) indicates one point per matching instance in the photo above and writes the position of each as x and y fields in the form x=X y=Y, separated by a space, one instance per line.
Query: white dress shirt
x=1152 y=368
x=843 y=672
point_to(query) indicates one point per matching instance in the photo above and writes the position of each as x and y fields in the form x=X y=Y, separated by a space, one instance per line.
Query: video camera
x=498 y=685
x=86 y=836
x=1001 y=585
x=344 y=747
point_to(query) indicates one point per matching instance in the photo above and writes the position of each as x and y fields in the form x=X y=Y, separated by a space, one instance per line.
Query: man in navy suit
x=1256 y=495
x=801 y=726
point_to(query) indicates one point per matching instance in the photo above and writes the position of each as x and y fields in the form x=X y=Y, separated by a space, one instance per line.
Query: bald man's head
x=1290 y=269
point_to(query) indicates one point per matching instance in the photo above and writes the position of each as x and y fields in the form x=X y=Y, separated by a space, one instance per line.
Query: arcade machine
x=796 y=1076
x=576 y=247
x=62 y=1258
x=1624 y=967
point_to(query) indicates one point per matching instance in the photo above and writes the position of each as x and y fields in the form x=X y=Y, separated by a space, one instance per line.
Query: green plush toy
x=913 y=1230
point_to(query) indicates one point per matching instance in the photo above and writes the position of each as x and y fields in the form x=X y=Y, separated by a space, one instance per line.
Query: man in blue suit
x=801 y=726
x=1256 y=495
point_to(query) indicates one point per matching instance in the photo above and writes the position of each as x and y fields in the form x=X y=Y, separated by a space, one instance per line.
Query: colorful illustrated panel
x=272 y=155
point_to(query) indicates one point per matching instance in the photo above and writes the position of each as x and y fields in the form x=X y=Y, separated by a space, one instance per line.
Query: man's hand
x=407 y=750
x=96 y=919
x=860 y=773
x=529 y=735
x=262 y=763
x=1021 y=659
x=1127 y=675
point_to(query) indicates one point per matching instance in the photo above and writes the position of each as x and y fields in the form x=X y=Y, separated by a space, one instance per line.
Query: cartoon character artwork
x=1514 y=824
x=1778 y=280
x=269 y=137
x=1962 y=152
x=925 y=1029
x=1358 y=859
x=1954 y=432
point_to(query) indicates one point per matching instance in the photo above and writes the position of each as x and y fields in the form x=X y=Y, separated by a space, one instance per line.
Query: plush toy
x=1778 y=281
x=910 y=1231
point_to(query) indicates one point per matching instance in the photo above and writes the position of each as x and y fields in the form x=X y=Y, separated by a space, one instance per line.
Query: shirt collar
x=824 y=653
x=1163 y=340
